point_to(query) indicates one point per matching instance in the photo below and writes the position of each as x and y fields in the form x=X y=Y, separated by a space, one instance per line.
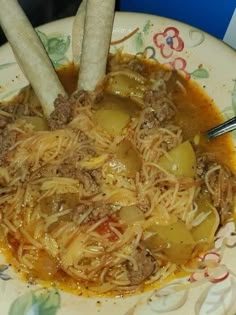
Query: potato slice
x=94 y=162
x=126 y=83
x=45 y=266
x=114 y=113
x=206 y=230
x=174 y=240
x=38 y=123
x=120 y=196
x=127 y=161
x=181 y=161
x=112 y=120
x=131 y=214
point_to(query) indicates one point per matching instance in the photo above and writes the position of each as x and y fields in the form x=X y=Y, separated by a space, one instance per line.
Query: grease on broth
x=196 y=112
x=195 y=107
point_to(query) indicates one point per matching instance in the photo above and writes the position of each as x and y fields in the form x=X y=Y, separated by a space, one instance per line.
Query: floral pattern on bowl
x=196 y=56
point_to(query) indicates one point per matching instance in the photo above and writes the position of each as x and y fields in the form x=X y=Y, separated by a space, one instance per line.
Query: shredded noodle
x=61 y=201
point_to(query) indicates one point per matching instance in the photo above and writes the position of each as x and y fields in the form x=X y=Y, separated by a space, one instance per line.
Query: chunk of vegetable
x=126 y=83
x=59 y=202
x=112 y=120
x=159 y=217
x=45 y=266
x=206 y=230
x=74 y=251
x=174 y=240
x=131 y=214
x=114 y=112
x=181 y=161
x=200 y=139
x=127 y=161
x=120 y=196
x=38 y=123
x=94 y=162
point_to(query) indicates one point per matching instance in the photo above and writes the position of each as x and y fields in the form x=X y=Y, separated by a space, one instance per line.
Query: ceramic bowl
x=197 y=56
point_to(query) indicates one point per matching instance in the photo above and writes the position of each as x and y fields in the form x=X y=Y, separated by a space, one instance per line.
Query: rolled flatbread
x=96 y=42
x=30 y=54
x=78 y=32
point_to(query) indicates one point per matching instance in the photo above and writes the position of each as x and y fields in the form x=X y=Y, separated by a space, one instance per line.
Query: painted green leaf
x=56 y=57
x=147 y=27
x=58 y=46
x=60 y=62
x=22 y=305
x=44 y=38
x=200 y=74
x=139 y=41
x=38 y=302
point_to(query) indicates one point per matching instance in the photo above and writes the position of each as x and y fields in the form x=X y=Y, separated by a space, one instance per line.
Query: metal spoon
x=227 y=126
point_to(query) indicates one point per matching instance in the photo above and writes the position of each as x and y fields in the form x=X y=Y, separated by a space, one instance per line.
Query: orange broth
x=197 y=112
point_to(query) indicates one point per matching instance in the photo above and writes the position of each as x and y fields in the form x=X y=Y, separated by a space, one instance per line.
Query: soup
x=118 y=189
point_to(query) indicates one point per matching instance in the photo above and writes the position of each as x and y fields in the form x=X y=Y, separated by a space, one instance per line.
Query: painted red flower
x=213 y=270
x=168 y=41
x=180 y=65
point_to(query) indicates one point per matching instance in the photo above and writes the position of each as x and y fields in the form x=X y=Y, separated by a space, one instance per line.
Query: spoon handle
x=225 y=127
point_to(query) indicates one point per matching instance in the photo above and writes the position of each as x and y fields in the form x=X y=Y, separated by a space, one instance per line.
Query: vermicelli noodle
x=116 y=198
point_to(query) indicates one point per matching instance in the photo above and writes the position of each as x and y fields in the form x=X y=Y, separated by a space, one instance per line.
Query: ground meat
x=90 y=179
x=44 y=171
x=150 y=120
x=67 y=168
x=136 y=65
x=84 y=153
x=144 y=204
x=146 y=267
x=201 y=165
x=162 y=74
x=161 y=104
x=7 y=140
x=5 y=117
x=65 y=109
x=102 y=210
x=221 y=182
x=13 y=108
x=62 y=114
x=204 y=161
x=164 y=111
x=3 y=122
x=98 y=211
x=17 y=109
x=81 y=99
x=82 y=137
